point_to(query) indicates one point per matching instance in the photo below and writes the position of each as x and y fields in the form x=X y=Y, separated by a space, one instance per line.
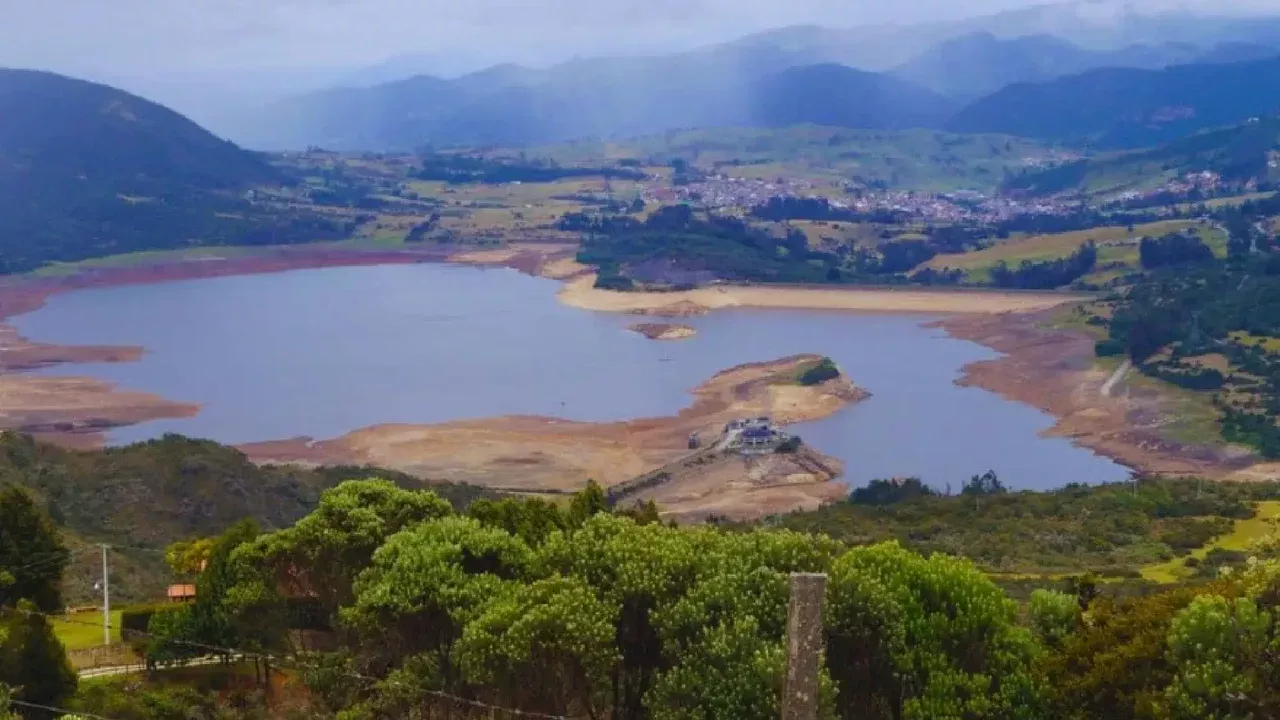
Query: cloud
x=170 y=36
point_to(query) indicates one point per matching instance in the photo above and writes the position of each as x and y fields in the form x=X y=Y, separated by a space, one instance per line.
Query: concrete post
x=804 y=646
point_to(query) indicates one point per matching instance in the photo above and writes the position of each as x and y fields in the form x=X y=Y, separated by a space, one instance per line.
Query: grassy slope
x=1039 y=248
x=1242 y=535
x=84 y=630
x=910 y=159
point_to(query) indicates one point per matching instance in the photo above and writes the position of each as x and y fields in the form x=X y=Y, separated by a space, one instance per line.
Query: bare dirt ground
x=541 y=453
x=1054 y=370
x=579 y=292
x=749 y=487
x=664 y=331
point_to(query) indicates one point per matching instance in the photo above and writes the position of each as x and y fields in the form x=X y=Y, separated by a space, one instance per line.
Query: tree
x=210 y=622
x=1053 y=615
x=32 y=554
x=914 y=637
x=1224 y=655
x=188 y=557
x=587 y=503
x=322 y=554
x=32 y=659
x=555 y=629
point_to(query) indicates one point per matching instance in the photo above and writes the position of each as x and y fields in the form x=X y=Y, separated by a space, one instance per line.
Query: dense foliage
x=87 y=170
x=1046 y=274
x=580 y=612
x=1207 y=327
x=583 y=612
x=1108 y=529
x=144 y=496
x=33 y=664
x=822 y=371
x=1173 y=249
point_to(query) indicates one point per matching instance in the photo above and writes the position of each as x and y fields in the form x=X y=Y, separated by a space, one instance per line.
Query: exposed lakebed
x=322 y=352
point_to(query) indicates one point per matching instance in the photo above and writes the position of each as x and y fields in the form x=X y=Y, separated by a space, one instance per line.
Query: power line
x=47 y=559
x=60 y=711
x=282 y=660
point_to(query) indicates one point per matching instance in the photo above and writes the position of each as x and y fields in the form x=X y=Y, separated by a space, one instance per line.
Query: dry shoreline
x=1054 y=370
x=580 y=292
x=1049 y=369
x=531 y=453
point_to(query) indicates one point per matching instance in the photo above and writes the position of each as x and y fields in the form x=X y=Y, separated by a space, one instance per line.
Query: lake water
x=322 y=352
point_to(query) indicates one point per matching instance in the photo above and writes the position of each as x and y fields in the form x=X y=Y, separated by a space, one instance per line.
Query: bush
x=825 y=370
x=1109 y=348
x=134 y=621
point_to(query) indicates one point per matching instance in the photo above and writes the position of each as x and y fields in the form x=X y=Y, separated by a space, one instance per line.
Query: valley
x=380 y=361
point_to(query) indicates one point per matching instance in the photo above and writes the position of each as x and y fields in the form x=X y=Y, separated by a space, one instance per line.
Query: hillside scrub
x=584 y=612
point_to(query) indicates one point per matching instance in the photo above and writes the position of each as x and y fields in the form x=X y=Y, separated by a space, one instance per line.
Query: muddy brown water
x=325 y=351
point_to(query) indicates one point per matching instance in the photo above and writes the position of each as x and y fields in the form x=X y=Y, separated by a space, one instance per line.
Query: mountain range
x=1115 y=108
x=970 y=66
x=733 y=86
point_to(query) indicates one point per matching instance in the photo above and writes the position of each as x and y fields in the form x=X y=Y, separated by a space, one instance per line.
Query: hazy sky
x=135 y=37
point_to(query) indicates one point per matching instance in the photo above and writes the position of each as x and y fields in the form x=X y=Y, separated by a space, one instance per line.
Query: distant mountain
x=621 y=97
x=1098 y=25
x=973 y=65
x=88 y=170
x=1127 y=108
x=970 y=66
x=1239 y=154
x=838 y=96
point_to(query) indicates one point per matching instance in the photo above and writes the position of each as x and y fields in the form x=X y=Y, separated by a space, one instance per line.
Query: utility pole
x=106 y=599
x=804 y=646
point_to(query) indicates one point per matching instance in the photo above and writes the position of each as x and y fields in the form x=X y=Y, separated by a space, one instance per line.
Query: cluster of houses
x=750 y=435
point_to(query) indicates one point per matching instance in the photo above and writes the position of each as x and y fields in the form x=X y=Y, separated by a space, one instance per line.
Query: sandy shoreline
x=579 y=292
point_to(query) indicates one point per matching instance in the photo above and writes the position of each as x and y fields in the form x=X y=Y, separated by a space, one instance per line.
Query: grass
x=145 y=257
x=914 y=159
x=1268 y=344
x=84 y=630
x=1041 y=248
x=1244 y=533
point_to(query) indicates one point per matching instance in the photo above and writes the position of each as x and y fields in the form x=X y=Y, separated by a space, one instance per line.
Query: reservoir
x=322 y=352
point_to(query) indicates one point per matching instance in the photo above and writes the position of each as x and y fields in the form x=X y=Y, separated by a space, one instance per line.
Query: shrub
x=825 y=370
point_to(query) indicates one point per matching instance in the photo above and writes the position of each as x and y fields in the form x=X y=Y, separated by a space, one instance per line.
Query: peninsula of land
x=542 y=454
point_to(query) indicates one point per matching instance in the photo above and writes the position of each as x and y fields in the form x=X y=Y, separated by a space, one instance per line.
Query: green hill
x=141 y=497
x=1239 y=153
x=88 y=170
x=1126 y=108
x=840 y=96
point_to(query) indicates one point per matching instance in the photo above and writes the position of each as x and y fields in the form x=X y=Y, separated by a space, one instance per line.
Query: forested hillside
x=147 y=495
x=1239 y=154
x=1127 y=108
x=87 y=170
x=580 y=611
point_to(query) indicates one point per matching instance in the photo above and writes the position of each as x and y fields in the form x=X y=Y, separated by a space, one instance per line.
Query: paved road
x=1116 y=377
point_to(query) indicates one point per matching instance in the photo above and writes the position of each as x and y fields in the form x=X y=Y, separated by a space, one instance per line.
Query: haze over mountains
x=961 y=76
